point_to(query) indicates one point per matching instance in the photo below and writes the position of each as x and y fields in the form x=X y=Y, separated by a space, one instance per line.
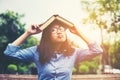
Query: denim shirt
x=59 y=67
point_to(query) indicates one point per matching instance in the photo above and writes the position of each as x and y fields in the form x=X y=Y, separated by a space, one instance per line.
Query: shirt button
x=55 y=78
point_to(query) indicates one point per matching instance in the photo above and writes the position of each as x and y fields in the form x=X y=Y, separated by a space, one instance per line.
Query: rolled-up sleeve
x=26 y=55
x=86 y=54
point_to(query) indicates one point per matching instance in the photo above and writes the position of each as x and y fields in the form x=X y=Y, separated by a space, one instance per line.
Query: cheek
x=65 y=37
x=53 y=38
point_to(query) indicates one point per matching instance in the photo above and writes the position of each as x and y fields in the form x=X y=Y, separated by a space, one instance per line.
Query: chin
x=60 y=40
x=63 y=40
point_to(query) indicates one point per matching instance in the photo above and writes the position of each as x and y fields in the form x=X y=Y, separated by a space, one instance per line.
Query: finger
x=37 y=27
x=33 y=26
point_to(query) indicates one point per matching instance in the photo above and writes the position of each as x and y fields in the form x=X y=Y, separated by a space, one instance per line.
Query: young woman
x=54 y=56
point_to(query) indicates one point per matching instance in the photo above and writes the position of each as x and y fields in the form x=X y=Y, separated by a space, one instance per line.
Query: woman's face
x=58 y=33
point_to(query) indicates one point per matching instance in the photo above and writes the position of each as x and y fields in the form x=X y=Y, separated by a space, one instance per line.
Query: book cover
x=56 y=19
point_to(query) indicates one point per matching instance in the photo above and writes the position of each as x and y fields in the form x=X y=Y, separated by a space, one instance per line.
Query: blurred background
x=98 y=19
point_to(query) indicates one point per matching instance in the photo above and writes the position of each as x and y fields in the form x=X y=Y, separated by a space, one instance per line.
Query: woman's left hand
x=74 y=30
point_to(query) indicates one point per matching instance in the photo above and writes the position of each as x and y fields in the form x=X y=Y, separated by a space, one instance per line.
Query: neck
x=56 y=47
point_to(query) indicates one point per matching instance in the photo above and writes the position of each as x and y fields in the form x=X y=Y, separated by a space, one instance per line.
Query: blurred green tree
x=11 y=28
x=87 y=67
x=106 y=15
x=12 y=69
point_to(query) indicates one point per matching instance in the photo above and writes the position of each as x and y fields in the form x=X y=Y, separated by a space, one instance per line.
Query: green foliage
x=12 y=67
x=29 y=68
x=10 y=25
x=32 y=65
x=74 y=70
x=11 y=28
x=87 y=67
x=83 y=69
x=106 y=14
x=3 y=40
x=99 y=9
x=31 y=41
x=115 y=54
x=23 y=69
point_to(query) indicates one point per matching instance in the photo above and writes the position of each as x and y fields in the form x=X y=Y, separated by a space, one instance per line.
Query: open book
x=56 y=19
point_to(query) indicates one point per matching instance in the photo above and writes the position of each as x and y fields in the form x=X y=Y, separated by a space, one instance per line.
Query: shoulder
x=33 y=49
x=76 y=49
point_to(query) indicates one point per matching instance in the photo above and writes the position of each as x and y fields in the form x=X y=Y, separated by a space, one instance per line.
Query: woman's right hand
x=34 y=29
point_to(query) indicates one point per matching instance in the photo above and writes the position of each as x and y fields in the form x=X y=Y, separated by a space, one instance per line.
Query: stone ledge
x=74 y=77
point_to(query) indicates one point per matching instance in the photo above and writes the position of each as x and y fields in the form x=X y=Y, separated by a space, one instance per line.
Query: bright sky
x=38 y=11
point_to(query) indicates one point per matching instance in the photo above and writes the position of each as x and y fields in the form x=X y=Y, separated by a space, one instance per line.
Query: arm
x=78 y=32
x=32 y=30
x=26 y=55
x=86 y=54
x=13 y=49
x=21 y=39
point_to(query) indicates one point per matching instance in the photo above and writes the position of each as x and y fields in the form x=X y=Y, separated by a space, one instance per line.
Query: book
x=56 y=19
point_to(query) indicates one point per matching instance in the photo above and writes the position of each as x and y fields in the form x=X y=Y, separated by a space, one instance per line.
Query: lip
x=60 y=36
